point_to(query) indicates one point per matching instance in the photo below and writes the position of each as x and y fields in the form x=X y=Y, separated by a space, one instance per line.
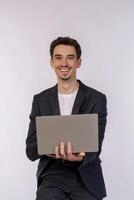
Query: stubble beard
x=64 y=78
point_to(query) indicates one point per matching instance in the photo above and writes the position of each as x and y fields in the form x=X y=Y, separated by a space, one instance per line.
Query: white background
x=105 y=30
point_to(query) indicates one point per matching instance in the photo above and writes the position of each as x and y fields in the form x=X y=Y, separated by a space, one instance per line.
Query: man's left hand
x=66 y=153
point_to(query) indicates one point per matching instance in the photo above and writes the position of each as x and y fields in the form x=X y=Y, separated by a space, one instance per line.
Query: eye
x=58 y=58
x=71 y=57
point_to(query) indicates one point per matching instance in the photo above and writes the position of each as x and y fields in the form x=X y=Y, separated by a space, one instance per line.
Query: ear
x=51 y=63
x=79 y=62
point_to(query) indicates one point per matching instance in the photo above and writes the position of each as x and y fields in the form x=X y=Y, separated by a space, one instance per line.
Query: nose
x=64 y=62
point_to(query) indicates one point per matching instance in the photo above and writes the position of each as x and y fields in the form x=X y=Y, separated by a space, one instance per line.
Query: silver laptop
x=81 y=130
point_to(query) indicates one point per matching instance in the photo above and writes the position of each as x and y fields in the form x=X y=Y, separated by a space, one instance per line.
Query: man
x=67 y=175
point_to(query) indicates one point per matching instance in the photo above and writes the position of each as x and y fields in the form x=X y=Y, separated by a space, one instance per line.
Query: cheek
x=75 y=67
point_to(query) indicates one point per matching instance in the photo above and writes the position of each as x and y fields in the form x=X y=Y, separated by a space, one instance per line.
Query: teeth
x=64 y=70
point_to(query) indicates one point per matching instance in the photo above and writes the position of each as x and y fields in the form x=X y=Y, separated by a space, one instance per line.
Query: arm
x=101 y=109
x=31 y=141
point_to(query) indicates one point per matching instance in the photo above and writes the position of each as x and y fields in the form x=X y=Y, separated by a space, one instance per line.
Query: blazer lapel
x=80 y=97
x=54 y=103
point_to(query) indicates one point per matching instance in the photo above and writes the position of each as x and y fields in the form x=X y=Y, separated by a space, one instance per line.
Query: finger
x=69 y=151
x=81 y=154
x=57 y=152
x=77 y=158
x=62 y=150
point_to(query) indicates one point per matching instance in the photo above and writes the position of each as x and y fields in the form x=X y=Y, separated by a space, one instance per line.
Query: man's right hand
x=61 y=153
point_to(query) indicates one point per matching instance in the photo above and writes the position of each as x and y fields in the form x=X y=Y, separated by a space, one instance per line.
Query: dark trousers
x=60 y=182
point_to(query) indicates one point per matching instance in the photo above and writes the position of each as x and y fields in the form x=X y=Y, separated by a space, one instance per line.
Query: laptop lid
x=81 y=130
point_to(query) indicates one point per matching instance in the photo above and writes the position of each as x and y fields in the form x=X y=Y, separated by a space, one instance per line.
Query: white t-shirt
x=66 y=102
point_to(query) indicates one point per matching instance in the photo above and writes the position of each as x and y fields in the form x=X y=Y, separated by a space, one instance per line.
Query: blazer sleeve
x=101 y=109
x=31 y=140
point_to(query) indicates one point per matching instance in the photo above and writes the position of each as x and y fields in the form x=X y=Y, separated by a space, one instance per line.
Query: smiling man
x=64 y=174
x=65 y=62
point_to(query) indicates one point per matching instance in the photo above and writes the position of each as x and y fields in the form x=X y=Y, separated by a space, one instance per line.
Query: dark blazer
x=88 y=100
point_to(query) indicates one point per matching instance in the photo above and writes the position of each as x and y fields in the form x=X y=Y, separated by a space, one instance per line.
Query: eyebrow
x=72 y=55
x=57 y=55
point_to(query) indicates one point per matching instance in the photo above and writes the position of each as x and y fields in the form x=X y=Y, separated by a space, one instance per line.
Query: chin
x=65 y=78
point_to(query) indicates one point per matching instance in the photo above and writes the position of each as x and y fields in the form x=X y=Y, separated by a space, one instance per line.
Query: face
x=65 y=62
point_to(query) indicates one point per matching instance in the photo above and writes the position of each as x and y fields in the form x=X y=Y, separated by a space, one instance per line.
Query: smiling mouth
x=64 y=70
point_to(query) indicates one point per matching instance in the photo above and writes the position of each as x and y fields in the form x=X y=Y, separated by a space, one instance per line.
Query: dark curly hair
x=66 y=41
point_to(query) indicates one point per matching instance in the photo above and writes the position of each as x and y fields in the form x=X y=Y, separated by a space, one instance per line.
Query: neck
x=67 y=86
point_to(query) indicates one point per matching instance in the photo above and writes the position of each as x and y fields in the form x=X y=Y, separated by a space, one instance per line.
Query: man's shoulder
x=45 y=92
x=95 y=92
x=92 y=91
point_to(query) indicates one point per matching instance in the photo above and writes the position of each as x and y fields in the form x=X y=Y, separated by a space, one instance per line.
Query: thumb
x=82 y=154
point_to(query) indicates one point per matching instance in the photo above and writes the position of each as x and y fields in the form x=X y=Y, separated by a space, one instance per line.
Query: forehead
x=64 y=49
